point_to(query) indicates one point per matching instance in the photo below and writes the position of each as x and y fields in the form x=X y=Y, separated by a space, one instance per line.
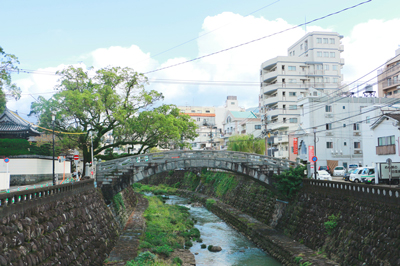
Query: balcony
x=282 y=154
x=341 y=48
x=387 y=149
x=282 y=139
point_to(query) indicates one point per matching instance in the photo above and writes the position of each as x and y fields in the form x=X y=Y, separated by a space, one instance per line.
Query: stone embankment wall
x=130 y=201
x=74 y=227
x=367 y=230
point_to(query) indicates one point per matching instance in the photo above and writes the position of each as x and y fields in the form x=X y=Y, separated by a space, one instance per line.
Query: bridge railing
x=171 y=156
x=21 y=200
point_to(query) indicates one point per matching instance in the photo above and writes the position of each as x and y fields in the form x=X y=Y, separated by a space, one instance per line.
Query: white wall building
x=339 y=127
x=312 y=62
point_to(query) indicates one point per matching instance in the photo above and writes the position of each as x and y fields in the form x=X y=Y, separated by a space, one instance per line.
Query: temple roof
x=14 y=126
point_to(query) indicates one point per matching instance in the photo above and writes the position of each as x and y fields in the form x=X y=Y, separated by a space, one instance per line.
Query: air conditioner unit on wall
x=358 y=152
x=329 y=134
x=357 y=134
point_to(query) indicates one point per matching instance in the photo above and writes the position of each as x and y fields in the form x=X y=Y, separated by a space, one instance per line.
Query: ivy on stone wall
x=118 y=202
x=289 y=182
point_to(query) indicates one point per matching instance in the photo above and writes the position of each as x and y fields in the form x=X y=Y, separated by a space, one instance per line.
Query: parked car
x=326 y=168
x=346 y=176
x=339 y=171
x=356 y=175
x=323 y=175
x=368 y=175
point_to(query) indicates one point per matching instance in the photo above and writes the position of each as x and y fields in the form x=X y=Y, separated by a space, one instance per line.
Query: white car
x=339 y=171
x=356 y=175
x=323 y=175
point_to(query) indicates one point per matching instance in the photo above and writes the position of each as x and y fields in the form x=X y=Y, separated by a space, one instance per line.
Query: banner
x=310 y=154
x=295 y=146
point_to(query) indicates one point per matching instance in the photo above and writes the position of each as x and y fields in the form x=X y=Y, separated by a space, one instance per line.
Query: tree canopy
x=246 y=143
x=114 y=103
x=8 y=63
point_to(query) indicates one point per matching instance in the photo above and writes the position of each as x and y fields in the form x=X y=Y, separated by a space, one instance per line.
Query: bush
x=289 y=182
x=210 y=203
x=209 y=247
x=188 y=244
x=203 y=246
x=166 y=250
x=171 y=172
x=331 y=224
x=177 y=260
x=145 y=257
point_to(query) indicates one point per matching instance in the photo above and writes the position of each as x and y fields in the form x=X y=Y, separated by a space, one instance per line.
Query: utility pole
x=53 y=118
x=266 y=135
x=315 y=152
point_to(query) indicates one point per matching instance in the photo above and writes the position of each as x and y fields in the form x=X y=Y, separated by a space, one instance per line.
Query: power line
x=255 y=40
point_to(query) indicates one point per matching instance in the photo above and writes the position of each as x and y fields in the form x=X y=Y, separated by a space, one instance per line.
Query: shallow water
x=236 y=249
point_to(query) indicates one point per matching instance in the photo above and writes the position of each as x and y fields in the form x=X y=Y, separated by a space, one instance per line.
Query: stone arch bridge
x=115 y=175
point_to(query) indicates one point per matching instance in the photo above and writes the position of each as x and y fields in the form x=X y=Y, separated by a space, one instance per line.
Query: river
x=236 y=248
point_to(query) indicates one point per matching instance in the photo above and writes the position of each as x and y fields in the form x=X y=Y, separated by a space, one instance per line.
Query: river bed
x=236 y=248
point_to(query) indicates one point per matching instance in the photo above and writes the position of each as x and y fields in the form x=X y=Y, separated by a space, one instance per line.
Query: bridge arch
x=115 y=175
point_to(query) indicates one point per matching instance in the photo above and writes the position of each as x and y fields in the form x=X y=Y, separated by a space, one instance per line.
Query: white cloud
x=369 y=45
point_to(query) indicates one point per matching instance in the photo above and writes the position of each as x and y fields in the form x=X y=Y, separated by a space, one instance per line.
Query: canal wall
x=59 y=225
x=352 y=224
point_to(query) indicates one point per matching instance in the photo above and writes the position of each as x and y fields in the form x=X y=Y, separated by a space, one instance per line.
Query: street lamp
x=53 y=118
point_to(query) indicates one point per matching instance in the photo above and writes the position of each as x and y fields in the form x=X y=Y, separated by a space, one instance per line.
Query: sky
x=48 y=36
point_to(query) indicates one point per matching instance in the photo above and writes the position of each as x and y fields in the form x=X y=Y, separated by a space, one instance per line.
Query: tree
x=7 y=88
x=113 y=102
x=246 y=143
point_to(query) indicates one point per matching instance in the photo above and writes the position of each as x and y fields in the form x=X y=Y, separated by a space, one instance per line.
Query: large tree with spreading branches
x=111 y=101
x=8 y=64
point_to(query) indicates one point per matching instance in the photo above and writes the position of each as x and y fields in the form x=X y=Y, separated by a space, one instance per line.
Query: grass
x=168 y=227
x=156 y=190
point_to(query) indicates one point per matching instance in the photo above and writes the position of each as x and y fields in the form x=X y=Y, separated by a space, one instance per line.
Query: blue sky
x=49 y=35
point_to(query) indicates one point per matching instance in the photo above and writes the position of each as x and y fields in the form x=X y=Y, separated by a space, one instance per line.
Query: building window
x=257 y=127
x=396 y=91
x=292 y=107
x=384 y=141
x=193 y=111
x=319 y=40
x=334 y=67
x=301 y=46
x=329 y=145
x=292 y=80
x=356 y=126
x=368 y=120
x=336 y=80
x=357 y=145
x=319 y=67
x=290 y=53
x=232 y=103
x=325 y=40
x=331 y=40
x=293 y=53
x=326 y=67
x=194 y=144
x=389 y=93
x=319 y=54
x=207 y=111
x=326 y=54
x=291 y=68
x=344 y=125
x=292 y=94
x=332 y=54
x=292 y=120
x=345 y=143
x=315 y=93
x=198 y=119
x=327 y=80
x=329 y=126
x=344 y=107
x=328 y=108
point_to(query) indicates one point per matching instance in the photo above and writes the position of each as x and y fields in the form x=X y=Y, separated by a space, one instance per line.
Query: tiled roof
x=11 y=122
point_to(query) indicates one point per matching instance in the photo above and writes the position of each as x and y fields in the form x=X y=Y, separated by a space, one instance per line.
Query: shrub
x=209 y=247
x=177 y=260
x=203 y=246
x=188 y=244
x=171 y=172
x=289 y=182
x=210 y=203
x=145 y=257
x=331 y=224
x=166 y=250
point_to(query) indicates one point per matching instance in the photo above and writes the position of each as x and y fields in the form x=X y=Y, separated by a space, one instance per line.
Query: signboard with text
x=295 y=147
x=310 y=154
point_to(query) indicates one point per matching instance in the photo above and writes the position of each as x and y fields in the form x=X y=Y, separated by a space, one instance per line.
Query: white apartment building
x=210 y=122
x=312 y=62
x=389 y=78
x=340 y=127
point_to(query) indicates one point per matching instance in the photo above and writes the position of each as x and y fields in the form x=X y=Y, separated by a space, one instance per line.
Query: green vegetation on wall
x=289 y=182
x=222 y=182
x=331 y=224
x=118 y=202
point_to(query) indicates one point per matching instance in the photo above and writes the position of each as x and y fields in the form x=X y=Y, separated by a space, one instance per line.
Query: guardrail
x=364 y=191
x=21 y=200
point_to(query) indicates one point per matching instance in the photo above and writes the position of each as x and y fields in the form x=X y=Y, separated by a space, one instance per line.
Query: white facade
x=339 y=128
x=34 y=166
x=381 y=127
x=312 y=62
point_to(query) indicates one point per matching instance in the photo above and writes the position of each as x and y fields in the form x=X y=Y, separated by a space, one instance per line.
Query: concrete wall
x=24 y=166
